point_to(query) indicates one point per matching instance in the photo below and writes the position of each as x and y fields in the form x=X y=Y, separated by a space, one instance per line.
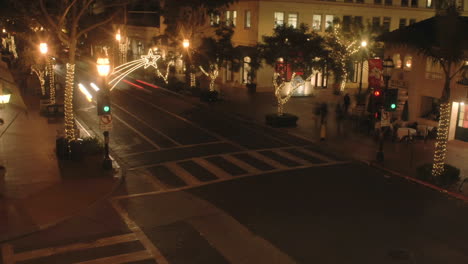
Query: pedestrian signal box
x=391 y=100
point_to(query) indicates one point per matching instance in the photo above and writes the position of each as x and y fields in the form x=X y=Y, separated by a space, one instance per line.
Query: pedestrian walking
x=346 y=103
x=323 y=121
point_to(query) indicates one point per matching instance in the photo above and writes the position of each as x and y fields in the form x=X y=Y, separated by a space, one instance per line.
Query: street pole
x=360 y=79
x=380 y=153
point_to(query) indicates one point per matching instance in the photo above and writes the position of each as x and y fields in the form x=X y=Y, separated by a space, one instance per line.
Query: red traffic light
x=376 y=93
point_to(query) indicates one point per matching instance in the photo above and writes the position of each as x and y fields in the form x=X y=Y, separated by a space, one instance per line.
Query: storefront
x=461 y=127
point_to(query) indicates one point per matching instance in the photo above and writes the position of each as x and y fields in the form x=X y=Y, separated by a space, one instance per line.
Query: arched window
x=397 y=61
x=408 y=62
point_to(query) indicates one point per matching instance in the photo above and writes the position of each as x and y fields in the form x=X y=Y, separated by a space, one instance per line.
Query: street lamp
x=49 y=72
x=363 y=46
x=103 y=68
x=5 y=96
x=186 y=45
x=388 y=66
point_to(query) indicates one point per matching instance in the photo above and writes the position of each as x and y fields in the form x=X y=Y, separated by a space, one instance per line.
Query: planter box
x=286 y=120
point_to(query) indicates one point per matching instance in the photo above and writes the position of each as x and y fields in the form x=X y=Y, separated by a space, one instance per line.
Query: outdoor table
x=405 y=131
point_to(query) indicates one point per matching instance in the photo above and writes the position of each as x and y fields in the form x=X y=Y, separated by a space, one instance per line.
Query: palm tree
x=441 y=38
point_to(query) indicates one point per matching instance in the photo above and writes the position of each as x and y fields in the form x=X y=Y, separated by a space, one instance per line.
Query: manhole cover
x=399 y=254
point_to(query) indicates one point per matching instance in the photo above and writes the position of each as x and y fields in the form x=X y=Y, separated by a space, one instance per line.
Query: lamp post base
x=107 y=164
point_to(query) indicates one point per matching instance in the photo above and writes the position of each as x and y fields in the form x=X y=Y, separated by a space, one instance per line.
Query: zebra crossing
x=220 y=167
x=123 y=248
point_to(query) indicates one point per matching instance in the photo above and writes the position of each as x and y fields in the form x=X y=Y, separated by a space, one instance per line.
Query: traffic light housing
x=391 y=100
x=103 y=104
x=376 y=100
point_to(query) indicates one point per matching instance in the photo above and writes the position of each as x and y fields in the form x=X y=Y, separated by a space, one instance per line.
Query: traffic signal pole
x=380 y=153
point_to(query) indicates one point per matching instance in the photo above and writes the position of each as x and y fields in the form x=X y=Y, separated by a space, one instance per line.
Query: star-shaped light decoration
x=150 y=59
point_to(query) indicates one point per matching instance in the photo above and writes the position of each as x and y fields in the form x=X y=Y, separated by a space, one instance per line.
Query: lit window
x=408 y=62
x=397 y=61
x=214 y=19
x=429 y=3
x=292 y=19
x=231 y=18
x=279 y=19
x=317 y=22
x=329 y=21
x=247 y=19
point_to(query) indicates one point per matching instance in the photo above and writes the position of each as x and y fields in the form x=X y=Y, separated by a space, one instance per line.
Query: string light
x=41 y=76
x=164 y=77
x=441 y=140
x=279 y=90
x=51 y=80
x=69 y=117
x=212 y=75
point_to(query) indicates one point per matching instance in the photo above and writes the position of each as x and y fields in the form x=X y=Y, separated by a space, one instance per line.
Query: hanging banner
x=375 y=73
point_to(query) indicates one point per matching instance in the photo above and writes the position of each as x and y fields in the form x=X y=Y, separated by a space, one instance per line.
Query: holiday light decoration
x=213 y=74
x=40 y=75
x=164 y=77
x=51 y=74
x=69 y=117
x=281 y=85
x=146 y=61
x=441 y=140
x=350 y=47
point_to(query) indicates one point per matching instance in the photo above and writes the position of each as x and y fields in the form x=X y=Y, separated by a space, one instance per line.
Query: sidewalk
x=39 y=190
x=399 y=156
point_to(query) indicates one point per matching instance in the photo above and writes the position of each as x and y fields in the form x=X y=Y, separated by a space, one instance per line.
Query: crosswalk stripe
x=155 y=182
x=322 y=157
x=182 y=173
x=44 y=252
x=218 y=172
x=267 y=160
x=241 y=164
x=291 y=157
x=118 y=259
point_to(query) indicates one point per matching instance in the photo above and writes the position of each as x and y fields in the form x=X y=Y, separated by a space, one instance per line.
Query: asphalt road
x=207 y=187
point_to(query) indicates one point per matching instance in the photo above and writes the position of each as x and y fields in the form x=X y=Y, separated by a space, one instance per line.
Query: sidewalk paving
x=38 y=189
x=400 y=157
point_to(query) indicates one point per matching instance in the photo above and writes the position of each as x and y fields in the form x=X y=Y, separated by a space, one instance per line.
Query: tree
x=440 y=39
x=71 y=20
x=297 y=50
x=215 y=52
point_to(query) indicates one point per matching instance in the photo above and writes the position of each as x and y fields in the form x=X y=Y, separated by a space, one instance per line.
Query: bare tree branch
x=83 y=9
x=47 y=15
x=62 y=18
x=95 y=25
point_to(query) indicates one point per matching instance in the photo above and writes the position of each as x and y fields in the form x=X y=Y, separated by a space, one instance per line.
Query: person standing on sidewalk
x=346 y=103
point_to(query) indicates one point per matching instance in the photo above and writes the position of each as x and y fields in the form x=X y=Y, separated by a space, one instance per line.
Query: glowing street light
x=104 y=106
x=43 y=48
x=186 y=43
x=118 y=37
x=103 y=67
x=5 y=96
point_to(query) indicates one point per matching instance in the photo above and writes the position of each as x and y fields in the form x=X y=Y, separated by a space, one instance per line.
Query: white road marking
x=267 y=160
x=243 y=165
x=148 y=125
x=155 y=182
x=156 y=254
x=171 y=148
x=182 y=173
x=291 y=156
x=44 y=252
x=218 y=172
x=137 y=132
x=189 y=122
x=319 y=156
x=122 y=258
x=115 y=198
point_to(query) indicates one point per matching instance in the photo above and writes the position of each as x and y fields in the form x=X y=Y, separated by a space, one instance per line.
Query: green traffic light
x=106 y=108
x=393 y=106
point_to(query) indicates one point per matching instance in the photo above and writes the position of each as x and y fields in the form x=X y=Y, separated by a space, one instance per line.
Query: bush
x=92 y=145
x=450 y=176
